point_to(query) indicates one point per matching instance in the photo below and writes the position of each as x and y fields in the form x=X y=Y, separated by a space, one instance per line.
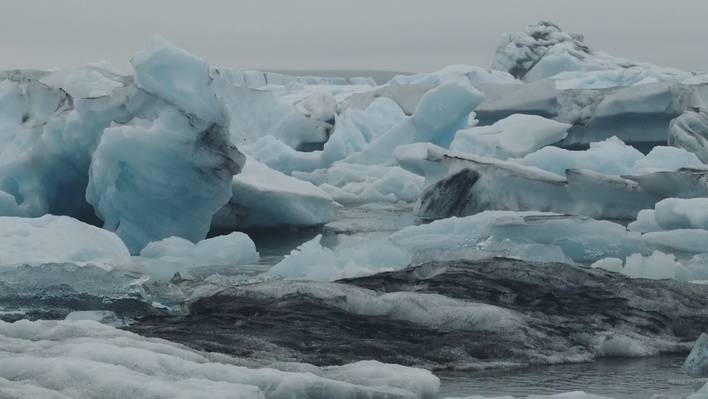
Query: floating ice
x=511 y=137
x=264 y=197
x=462 y=184
x=441 y=112
x=85 y=359
x=181 y=157
x=580 y=239
x=56 y=239
x=697 y=361
x=690 y=131
x=162 y=259
x=312 y=261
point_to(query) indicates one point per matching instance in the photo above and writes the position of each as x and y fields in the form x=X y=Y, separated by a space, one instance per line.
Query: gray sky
x=402 y=35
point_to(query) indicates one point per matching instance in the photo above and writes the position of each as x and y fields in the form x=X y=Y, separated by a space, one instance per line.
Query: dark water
x=615 y=378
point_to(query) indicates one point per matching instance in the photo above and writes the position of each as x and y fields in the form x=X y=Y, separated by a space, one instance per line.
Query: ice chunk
x=57 y=239
x=683 y=240
x=178 y=77
x=312 y=261
x=356 y=129
x=511 y=137
x=656 y=266
x=610 y=156
x=690 y=131
x=351 y=183
x=697 y=361
x=164 y=258
x=47 y=137
x=609 y=264
x=462 y=184
x=678 y=213
x=85 y=359
x=645 y=223
x=474 y=74
x=581 y=239
x=161 y=178
x=254 y=114
x=544 y=50
x=441 y=112
x=319 y=105
x=263 y=197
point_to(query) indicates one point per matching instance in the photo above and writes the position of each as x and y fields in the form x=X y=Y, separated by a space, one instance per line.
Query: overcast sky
x=400 y=35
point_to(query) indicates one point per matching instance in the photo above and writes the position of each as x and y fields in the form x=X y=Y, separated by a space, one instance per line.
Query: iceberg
x=312 y=261
x=511 y=137
x=696 y=363
x=175 y=157
x=264 y=197
x=512 y=234
x=690 y=132
x=162 y=259
x=59 y=239
x=441 y=112
x=459 y=184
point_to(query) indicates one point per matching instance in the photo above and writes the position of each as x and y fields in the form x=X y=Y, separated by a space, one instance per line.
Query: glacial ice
x=441 y=112
x=182 y=155
x=162 y=259
x=580 y=239
x=85 y=359
x=264 y=197
x=696 y=363
x=350 y=183
x=543 y=50
x=57 y=239
x=459 y=184
x=511 y=137
x=690 y=132
x=312 y=261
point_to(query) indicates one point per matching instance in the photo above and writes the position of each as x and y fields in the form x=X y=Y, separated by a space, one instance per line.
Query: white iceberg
x=511 y=137
x=57 y=239
x=264 y=197
x=696 y=363
x=162 y=259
